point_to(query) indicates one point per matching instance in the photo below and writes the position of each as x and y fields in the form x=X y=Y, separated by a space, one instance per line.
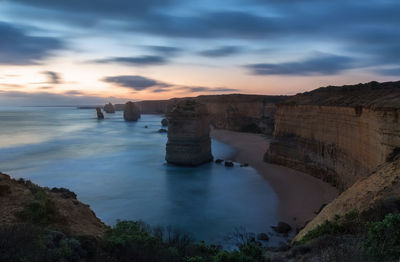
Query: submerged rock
x=109 y=108
x=189 y=140
x=131 y=112
x=219 y=161
x=228 y=164
x=164 y=122
x=99 y=113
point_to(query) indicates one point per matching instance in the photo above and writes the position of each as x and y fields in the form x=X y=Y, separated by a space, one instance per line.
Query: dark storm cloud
x=17 y=47
x=53 y=77
x=221 y=51
x=139 y=60
x=367 y=29
x=135 y=82
x=322 y=64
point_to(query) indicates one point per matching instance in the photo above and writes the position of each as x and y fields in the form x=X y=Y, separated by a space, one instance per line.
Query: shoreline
x=299 y=194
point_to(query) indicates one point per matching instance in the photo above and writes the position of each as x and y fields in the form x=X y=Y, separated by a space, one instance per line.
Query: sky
x=81 y=52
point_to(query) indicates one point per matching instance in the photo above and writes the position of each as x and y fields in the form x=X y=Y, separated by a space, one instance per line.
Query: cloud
x=139 y=83
x=53 y=77
x=200 y=89
x=389 y=71
x=221 y=51
x=15 y=98
x=164 y=50
x=135 y=82
x=74 y=92
x=17 y=47
x=322 y=64
x=139 y=60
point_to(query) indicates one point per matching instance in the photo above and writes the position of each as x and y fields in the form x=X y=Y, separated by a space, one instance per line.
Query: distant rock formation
x=131 y=112
x=164 y=122
x=189 y=141
x=109 y=108
x=99 y=113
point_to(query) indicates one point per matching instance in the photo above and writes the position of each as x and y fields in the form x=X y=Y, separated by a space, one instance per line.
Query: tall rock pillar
x=189 y=142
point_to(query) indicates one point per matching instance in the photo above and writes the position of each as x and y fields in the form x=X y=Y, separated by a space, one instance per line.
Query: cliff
x=58 y=209
x=339 y=134
x=243 y=113
x=373 y=197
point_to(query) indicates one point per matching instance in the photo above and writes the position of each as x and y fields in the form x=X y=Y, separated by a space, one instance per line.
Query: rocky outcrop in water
x=109 y=108
x=339 y=134
x=131 y=112
x=100 y=114
x=164 y=122
x=188 y=134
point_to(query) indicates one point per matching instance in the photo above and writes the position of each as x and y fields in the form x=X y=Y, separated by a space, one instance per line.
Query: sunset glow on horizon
x=91 y=52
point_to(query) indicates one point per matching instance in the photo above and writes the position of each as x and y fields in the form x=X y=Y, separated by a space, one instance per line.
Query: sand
x=299 y=194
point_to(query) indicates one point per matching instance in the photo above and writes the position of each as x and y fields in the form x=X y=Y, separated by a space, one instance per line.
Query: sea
x=119 y=169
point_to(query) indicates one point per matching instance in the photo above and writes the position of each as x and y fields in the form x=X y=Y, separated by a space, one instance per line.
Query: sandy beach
x=299 y=194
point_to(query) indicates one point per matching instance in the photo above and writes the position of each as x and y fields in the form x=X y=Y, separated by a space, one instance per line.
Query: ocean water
x=118 y=168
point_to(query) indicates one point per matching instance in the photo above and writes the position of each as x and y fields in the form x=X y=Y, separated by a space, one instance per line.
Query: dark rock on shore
x=282 y=228
x=109 y=108
x=162 y=130
x=244 y=165
x=189 y=140
x=164 y=122
x=131 y=112
x=100 y=114
x=219 y=161
x=263 y=237
x=229 y=164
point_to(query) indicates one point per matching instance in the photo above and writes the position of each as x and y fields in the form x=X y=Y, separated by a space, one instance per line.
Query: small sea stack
x=189 y=142
x=131 y=112
x=164 y=122
x=99 y=113
x=109 y=108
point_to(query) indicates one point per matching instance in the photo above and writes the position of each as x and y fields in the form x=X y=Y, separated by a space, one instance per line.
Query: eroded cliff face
x=338 y=135
x=372 y=197
x=243 y=113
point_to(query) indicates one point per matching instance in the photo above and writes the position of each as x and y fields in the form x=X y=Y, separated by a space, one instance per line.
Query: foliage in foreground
x=126 y=241
x=378 y=241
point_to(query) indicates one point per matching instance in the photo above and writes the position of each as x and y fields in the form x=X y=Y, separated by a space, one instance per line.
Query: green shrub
x=383 y=241
x=41 y=210
x=350 y=223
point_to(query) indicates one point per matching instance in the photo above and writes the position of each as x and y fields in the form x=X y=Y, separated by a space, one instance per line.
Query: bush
x=350 y=223
x=41 y=210
x=383 y=241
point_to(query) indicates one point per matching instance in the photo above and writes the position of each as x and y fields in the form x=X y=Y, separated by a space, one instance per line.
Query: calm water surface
x=119 y=169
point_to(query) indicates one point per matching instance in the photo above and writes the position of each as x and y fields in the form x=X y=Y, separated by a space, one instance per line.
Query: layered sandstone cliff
x=243 y=113
x=372 y=197
x=340 y=134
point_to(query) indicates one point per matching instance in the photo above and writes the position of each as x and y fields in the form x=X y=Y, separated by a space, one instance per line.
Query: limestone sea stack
x=99 y=113
x=189 y=141
x=109 y=108
x=131 y=112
